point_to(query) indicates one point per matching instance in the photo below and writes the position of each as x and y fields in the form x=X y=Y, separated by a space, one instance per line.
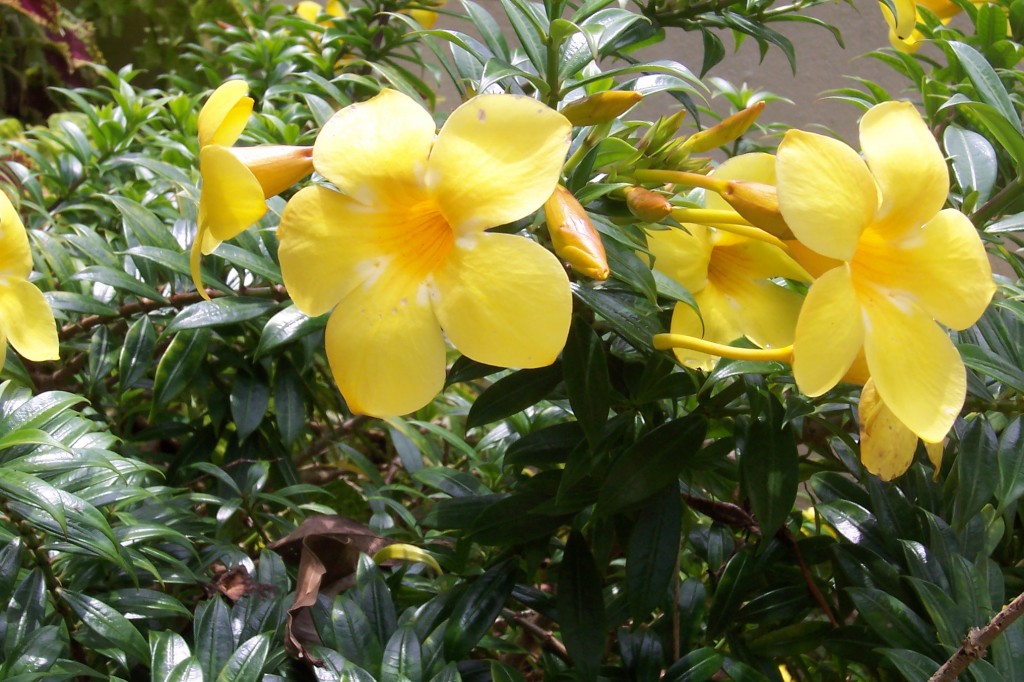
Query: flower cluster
x=890 y=266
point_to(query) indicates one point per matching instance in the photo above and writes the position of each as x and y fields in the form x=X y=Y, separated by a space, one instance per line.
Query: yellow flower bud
x=758 y=203
x=277 y=167
x=573 y=235
x=601 y=107
x=646 y=205
x=725 y=131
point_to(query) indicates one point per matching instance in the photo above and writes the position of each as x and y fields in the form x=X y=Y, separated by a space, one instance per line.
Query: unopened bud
x=573 y=235
x=725 y=131
x=758 y=203
x=601 y=107
x=276 y=166
x=646 y=205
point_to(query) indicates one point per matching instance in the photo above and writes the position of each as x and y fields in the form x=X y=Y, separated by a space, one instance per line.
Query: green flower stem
x=554 y=95
x=997 y=203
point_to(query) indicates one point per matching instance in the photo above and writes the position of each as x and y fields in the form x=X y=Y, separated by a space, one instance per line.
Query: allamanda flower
x=887 y=446
x=25 y=317
x=729 y=276
x=901 y=264
x=237 y=181
x=310 y=11
x=903 y=33
x=401 y=252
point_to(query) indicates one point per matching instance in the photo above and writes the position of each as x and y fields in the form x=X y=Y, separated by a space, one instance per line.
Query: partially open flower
x=237 y=181
x=25 y=317
x=402 y=256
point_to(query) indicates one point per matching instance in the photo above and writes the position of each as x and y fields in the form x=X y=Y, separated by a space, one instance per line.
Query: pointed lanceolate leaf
x=476 y=608
x=108 y=624
x=990 y=89
x=166 y=651
x=977 y=467
x=733 y=589
x=768 y=470
x=585 y=366
x=179 y=364
x=402 y=659
x=246 y=663
x=652 y=553
x=250 y=397
x=1011 y=462
x=513 y=394
x=213 y=638
x=136 y=356
x=581 y=613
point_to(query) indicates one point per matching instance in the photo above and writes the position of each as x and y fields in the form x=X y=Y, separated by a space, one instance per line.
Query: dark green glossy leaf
x=287 y=326
x=219 y=312
x=699 y=665
x=136 y=357
x=974 y=160
x=768 y=470
x=108 y=624
x=580 y=604
x=652 y=553
x=586 y=379
x=167 y=650
x=990 y=89
x=977 y=468
x=893 y=621
x=950 y=621
x=401 y=660
x=373 y=595
x=179 y=364
x=289 y=403
x=246 y=663
x=213 y=638
x=1010 y=456
x=549 y=446
x=789 y=640
x=912 y=665
x=651 y=464
x=513 y=394
x=476 y=608
x=26 y=610
x=249 y=399
x=355 y=636
x=733 y=588
x=632 y=317
x=455 y=483
x=118 y=279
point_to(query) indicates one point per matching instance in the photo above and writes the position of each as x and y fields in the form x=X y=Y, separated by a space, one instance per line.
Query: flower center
x=421 y=243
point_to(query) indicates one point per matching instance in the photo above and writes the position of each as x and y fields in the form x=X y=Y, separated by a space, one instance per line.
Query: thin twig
x=977 y=641
x=546 y=638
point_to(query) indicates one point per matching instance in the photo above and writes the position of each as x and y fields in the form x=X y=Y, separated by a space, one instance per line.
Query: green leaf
x=975 y=164
x=733 y=588
x=586 y=379
x=913 y=666
x=476 y=608
x=10 y=564
x=289 y=403
x=652 y=553
x=213 y=638
x=513 y=394
x=986 y=82
x=451 y=481
x=179 y=364
x=167 y=650
x=789 y=640
x=108 y=624
x=1007 y=134
x=71 y=302
x=136 y=356
x=219 y=312
x=374 y=597
x=118 y=279
x=893 y=621
x=246 y=663
x=950 y=620
x=977 y=467
x=988 y=363
x=355 y=636
x=249 y=400
x=528 y=29
x=34 y=492
x=769 y=469
x=699 y=665
x=26 y=610
x=287 y=326
x=402 y=659
x=142 y=224
x=632 y=317
x=1010 y=457
x=651 y=464
x=489 y=29
x=580 y=605
x=176 y=261
x=254 y=262
x=1013 y=223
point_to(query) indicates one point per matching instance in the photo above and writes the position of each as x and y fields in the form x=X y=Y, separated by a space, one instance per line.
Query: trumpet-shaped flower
x=237 y=181
x=25 y=317
x=401 y=254
x=902 y=265
x=729 y=277
x=426 y=17
x=310 y=11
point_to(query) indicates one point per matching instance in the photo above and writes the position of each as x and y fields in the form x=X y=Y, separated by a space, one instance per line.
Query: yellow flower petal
x=717 y=322
x=497 y=159
x=812 y=262
x=376 y=151
x=329 y=244
x=905 y=20
x=934 y=452
x=767 y=312
x=335 y=9
x=27 y=320
x=906 y=163
x=385 y=349
x=683 y=254
x=916 y=368
x=829 y=332
x=754 y=259
x=308 y=10
x=223 y=117
x=942 y=265
x=231 y=198
x=886 y=445
x=15 y=257
x=504 y=300
x=826 y=194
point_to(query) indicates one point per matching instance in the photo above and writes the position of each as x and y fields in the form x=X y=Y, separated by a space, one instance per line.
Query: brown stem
x=546 y=638
x=977 y=641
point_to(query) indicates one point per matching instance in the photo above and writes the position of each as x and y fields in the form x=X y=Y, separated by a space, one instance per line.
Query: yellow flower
x=426 y=17
x=729 y=277
x=903 y=33
x=237 y=181
x=887 y=445
x=901 y=265
x=401 y=252
x=25 y=317
x=310 y=11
